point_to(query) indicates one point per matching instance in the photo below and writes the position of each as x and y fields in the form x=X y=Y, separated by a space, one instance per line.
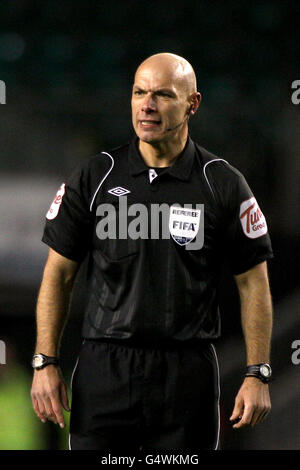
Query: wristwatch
x=262 y=371
x=39 y=361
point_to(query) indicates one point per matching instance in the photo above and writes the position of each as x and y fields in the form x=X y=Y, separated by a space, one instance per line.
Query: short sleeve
x=68 y=227
x=247 y=238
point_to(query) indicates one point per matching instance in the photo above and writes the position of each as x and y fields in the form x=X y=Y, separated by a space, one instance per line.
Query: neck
x=161 y=154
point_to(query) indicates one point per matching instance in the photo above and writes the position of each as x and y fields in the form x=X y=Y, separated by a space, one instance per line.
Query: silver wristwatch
x=262 y=371
x=39 y=361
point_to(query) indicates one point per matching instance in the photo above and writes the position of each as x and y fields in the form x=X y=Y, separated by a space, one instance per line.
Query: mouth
x=149 y=123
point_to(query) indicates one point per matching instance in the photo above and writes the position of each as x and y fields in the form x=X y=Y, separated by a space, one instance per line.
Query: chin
x=149 y=138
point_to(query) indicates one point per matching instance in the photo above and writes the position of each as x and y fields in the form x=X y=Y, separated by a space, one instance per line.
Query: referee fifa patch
x=252 y=219
x=54 y=208
x=184 y=224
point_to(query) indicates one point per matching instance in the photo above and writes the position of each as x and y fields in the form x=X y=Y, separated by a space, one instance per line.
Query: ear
x=195 y=100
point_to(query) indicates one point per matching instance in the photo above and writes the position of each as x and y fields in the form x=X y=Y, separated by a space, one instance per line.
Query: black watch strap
x=39 y=361
x=261 y=371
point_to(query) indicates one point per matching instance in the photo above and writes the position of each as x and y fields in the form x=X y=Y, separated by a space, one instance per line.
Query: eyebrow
x=159 y=90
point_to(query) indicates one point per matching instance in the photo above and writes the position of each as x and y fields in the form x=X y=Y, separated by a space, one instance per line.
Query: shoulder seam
x=103 y=179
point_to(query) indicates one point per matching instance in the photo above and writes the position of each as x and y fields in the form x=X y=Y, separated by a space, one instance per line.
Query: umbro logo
x=118 y=191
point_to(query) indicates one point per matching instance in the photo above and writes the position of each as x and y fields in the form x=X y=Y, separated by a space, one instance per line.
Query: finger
x=40 y=404
x=256 y=417
x=246 y=417
x=263 y=417
x=64 y=397
x=237 y=411
x=36 y=407
x=265 y=411
x=37 y=410
x=236 y=420
x=57 y=410
x=49 y=410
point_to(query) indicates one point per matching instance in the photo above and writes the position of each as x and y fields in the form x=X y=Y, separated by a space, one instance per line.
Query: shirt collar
x=181 y=169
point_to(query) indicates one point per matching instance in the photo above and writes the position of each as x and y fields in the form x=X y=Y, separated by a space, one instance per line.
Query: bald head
x=164 y=96
x=175 y=68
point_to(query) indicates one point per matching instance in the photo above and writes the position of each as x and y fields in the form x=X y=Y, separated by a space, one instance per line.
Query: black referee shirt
x=155 y=240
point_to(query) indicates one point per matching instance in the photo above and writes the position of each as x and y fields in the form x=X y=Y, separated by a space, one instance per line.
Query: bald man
x=154 y=219
x=164 y=96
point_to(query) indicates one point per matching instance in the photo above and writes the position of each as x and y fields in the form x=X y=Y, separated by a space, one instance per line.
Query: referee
x=156 y=219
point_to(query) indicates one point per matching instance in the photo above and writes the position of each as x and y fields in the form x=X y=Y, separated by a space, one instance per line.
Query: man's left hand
x=252 y=403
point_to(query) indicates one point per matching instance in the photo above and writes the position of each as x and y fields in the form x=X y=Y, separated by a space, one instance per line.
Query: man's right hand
x=49 y=394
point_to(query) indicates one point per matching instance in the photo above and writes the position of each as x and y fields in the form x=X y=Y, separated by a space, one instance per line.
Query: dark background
x=68 y=69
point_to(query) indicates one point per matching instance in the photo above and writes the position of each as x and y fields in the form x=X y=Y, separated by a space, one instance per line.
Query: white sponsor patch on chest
x=184 y=224
x=252 y=219
x=54 y=208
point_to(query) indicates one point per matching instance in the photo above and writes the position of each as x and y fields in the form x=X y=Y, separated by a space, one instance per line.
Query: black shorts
x=158 y=399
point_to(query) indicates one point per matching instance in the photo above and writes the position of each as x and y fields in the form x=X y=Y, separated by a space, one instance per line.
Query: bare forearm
x=256 y=315
x=257 y=325
x=52 y=309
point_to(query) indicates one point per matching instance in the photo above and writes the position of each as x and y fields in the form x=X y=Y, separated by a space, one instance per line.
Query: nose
x=149 y=104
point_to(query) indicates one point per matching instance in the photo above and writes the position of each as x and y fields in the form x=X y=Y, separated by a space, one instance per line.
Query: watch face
x=38 y=361
x=265 y=370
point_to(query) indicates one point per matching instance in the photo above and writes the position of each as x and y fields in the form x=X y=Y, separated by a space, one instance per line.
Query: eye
x=163 y=93
x=138 y=92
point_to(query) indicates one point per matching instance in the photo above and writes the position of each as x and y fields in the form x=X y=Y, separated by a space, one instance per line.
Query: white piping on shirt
x=113 y=162
x=218 y=403
x=71 y=383
x=204 y=168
